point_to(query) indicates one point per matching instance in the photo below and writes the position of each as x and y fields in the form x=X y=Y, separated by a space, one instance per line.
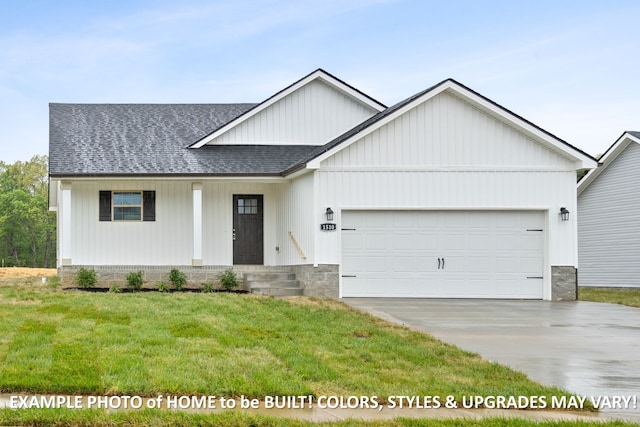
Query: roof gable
x=537 y=134
x=612 y=153
x=446 y=132
x=288 y=117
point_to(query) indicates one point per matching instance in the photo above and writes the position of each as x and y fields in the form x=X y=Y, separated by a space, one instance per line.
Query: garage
x=443 y=254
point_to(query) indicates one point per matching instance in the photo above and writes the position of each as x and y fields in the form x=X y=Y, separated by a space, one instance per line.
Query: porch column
x=196 y=187
x=65 y=223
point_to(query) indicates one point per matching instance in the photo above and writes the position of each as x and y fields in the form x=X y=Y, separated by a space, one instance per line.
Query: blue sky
x=571 y=67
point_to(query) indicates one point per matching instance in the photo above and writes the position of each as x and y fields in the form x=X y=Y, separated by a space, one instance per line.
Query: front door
x=247 y=229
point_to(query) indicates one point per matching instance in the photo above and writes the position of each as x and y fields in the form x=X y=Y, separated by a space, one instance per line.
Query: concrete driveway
x=591 y=349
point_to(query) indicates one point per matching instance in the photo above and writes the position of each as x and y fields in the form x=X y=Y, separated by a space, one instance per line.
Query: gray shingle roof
x=634 y=133
x=152 y=139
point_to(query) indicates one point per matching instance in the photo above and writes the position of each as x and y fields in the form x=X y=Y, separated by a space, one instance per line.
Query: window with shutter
x=127 y=205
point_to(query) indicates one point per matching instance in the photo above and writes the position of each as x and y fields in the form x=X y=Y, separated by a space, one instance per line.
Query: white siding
x=166 y=241
x=446 y=131
x=169 y=239
x=217 y=222
x=609 y=224
x=545 y=191
x=312 y=115
x=295 y=214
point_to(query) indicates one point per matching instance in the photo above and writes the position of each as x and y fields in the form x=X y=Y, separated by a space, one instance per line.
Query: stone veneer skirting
x=564 y=283
x=321 y=281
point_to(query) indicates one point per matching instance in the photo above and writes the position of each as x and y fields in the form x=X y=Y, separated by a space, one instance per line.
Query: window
x=127 y=205
x=247 y=206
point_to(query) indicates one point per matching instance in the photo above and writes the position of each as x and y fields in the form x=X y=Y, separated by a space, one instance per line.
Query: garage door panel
x=426 y=241
x=402 y=264
x=486 y=254
x=402 y=241
x=531 y=241
x=474 y=264
x=352 y=242
x=376 y=240
x=452 y=241
x=531 y=266
x=374 y=264
x=477 y=241
x=426 y=263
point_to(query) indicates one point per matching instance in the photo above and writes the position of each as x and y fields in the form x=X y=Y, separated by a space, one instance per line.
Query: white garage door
x=442 y=254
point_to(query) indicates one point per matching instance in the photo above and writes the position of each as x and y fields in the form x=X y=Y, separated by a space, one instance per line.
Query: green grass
x=98 y=418
x=630 y=297
x=145 y=344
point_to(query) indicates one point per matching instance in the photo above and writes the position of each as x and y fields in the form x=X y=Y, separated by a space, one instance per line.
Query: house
x=609 y=224
x=445 y=194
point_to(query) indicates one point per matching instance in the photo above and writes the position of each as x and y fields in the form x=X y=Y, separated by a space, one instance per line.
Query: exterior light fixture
x=329 y=214
x=564 y=214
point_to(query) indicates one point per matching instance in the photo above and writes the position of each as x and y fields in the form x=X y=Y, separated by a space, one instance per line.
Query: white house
x=446 y=194
x=609 y=223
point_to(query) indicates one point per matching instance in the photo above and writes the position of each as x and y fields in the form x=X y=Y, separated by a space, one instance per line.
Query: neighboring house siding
x=447 y=131
x=609 y=224
x=313 y=115
x=165 y=241
x=296 y=214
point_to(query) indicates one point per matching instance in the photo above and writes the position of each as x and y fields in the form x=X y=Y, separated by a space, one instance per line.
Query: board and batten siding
x=609 y=224
x=166 y=241
x=169 y=239
x=444 y=155
x=295 y=214
x=446 y=131
x=312 y=115
x=217 y=219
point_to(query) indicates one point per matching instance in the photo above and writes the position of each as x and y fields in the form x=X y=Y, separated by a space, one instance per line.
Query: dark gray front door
x=248 y=229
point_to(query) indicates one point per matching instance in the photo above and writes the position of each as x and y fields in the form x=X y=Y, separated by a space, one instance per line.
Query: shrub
x=163 y=287
x=115 y=289
x=134 y=280
x=207 y=287
x=86 y=278
x=178 y=278
x=228 y=279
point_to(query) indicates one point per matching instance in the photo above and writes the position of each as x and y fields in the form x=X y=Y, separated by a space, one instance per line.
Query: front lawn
x=94 y=418
x=147 y=344
x=625 y=296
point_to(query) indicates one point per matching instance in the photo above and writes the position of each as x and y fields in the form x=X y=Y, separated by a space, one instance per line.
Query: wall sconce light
x=329 y=214
x=564 y=214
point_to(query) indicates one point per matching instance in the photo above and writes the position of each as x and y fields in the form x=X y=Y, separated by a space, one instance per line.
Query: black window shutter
x=105 y=206
x=149 y=205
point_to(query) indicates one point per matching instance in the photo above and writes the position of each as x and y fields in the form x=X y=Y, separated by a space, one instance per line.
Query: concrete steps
x=273 y=283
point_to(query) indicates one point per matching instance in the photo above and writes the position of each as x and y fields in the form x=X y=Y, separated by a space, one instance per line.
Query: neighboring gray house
x=445 y=194
x=609 y=217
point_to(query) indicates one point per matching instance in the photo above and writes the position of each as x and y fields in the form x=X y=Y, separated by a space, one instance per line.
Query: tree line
x=27 y=227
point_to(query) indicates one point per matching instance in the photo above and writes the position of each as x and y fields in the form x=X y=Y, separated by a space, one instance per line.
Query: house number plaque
x=328 y=227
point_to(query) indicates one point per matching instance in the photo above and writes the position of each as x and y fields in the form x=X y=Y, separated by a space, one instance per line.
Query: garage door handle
x=438 y=263
x=347 y=275
x=443 y=263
